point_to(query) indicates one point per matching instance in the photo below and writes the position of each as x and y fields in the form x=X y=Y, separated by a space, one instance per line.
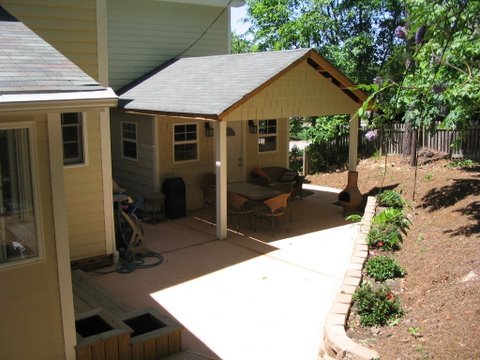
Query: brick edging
x=336 y=343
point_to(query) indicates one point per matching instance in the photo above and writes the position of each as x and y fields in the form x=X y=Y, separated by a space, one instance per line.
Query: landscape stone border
x=336 y=343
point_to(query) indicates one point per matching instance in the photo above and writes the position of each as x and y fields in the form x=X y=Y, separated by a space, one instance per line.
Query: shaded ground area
x=441 y=292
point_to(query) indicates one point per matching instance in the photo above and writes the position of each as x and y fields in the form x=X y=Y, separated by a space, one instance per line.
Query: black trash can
x=175 y=200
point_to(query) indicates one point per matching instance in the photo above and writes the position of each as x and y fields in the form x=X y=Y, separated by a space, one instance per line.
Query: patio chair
x=209 y=199
x=286 y=188
x=272 y=209
x=238 y=206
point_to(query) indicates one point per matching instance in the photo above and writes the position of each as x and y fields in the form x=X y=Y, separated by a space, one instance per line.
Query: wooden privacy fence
x=454 y=143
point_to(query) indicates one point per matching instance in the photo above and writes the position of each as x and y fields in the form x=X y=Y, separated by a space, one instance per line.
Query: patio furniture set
x=266 y=196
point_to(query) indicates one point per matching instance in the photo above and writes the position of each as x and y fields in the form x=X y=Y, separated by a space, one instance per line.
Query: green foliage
x=393 y=216
x=383 y=267
x=357 y=37
x=240 y=44
x=354 y=218
x=391 y=198
x=296 y=159
x=388 y=228
x=376 y=307
x=462 y=164
x=385 y=237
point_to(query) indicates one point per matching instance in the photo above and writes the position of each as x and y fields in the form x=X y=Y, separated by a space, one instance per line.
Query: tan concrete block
x=344 y=299
x=336 y=319
x=339 y=308
x=347 y=289
x=350 y=280
x=354 y=273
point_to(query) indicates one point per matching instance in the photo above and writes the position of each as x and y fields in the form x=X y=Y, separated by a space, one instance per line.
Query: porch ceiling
x=212 y=87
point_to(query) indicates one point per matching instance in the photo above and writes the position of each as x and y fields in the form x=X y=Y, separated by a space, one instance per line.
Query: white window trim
x=267 y=135
x=122 y=139
x=40 y=258
x=185 y=142
x=86 y=161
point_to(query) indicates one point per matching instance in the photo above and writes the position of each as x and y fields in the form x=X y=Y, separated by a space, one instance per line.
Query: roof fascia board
x=208 y=117
x=346 y=82
x=57 y=101
x=264 y=85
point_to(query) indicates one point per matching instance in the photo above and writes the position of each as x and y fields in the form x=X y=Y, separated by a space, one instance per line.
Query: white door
x=235 y=151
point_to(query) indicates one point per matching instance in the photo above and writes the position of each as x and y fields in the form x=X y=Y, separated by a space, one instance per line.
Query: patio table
x=253 y=192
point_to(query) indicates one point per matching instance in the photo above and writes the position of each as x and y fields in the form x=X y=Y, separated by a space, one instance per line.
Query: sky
x=238 y=13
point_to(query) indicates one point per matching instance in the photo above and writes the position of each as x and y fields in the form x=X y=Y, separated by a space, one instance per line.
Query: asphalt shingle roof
x=29 y=65
x=206 y=85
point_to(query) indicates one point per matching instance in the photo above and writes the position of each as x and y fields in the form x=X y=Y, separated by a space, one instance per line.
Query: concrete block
x=336 y=319
x=347 y=289
x=339 y=308
x=354 y=273
x=350 y=280
x=344 y=299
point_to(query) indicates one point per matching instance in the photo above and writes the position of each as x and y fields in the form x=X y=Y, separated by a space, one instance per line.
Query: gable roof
x=210 y=86
x=31 y=69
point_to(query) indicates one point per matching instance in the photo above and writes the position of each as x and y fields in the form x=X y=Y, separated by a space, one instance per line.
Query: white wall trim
x=102 y=42
x=105 y=148
x=156 y=155
x=61 y=233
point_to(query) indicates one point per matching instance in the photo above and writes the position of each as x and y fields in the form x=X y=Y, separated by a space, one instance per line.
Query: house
x=173 y=98
x=171 y=51
x=54 y=167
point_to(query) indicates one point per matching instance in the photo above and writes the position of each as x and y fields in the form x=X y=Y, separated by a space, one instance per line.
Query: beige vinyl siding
x=31 y=325
x=299 y=92
x=84 y=197
x=144 y=34
x=68 y=25
x=191 y=171
x=134 y=175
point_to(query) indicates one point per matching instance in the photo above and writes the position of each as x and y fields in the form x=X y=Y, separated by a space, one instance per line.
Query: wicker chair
x=272 y=209
x=209 y=194
x=238 y=206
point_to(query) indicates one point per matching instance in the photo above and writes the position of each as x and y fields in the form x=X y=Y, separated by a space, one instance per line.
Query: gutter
x=57 y=101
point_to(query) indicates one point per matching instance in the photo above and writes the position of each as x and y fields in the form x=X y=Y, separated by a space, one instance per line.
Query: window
x=72 y=132
x=129 y=140
x=267 y=135
x=18 y=223
x=185 y=143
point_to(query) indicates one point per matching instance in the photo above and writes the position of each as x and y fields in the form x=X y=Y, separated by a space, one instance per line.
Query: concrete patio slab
x=251 y=296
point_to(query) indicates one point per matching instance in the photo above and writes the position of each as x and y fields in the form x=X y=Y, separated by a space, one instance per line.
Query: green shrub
x=383 y=267
x=376 y=307
x=462 y=163
x=384 y=236
x=391 y=198
x=393 y=216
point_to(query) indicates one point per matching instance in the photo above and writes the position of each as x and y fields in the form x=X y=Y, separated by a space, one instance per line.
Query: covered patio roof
x=212 y=87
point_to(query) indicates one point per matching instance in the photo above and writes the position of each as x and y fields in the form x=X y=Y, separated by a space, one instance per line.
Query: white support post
x=221 y=171
x=353 y=144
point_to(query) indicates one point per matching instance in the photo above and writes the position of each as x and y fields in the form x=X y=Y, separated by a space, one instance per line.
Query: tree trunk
x=413 y=148
x=407 y=140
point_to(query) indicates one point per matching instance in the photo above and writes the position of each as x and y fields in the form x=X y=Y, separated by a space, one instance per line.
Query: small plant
x=383 y=267
x=463 y=163
x=391 y=198
x=353 y=218
x=393 y=216
x=387 y=229
x=376 y=306
x=414 y=331
x=428 y=177
x=385 y=237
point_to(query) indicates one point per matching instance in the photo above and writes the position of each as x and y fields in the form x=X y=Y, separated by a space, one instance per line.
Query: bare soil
x=441 y=253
